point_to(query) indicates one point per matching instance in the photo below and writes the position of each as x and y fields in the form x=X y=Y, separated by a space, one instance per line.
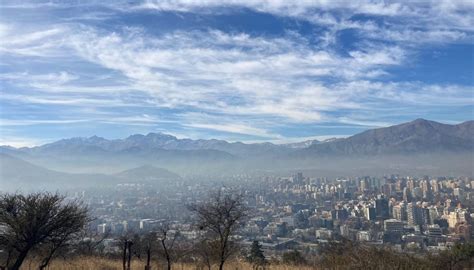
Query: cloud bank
x=352 y=68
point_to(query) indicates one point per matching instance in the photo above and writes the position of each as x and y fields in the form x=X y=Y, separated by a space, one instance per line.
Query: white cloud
x=65 y=100
x=253 y=83
x=45 y=81
x=235 y=128
x=16 y=141
x=43 y=43
x=254 y=76
x=233 y=74
x=26 y=122
x=435 y=12
x=227 y=123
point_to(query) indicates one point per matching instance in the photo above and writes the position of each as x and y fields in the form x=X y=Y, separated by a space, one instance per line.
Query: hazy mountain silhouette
x=413 y=147
x=16 y=173
x=418 y=136
x=147 y=173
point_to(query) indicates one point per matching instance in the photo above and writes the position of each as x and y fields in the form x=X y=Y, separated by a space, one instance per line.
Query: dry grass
x=97 y=263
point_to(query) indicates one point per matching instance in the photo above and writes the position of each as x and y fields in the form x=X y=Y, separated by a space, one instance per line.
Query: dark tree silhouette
x=167 y=240
x=38 y=221
x=126 y=243
x=148 y=245
x=256 y=255
x=220 y=217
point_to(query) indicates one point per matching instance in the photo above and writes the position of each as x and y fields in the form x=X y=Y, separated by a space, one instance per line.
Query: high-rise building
x=370 y=213
x=426 y=189
x=391 y=225
x=435 y=186
x=433 y=214
x=407 y=195
x=339 y=214
x=425 y=216
x=400 y=185
x=417 y=193
x=414 y=214
x=381 y=208
x=457 y=216
x=399 y=212
x=298 y=178
x=458 y=193
x=363 y=185
x=411 y=185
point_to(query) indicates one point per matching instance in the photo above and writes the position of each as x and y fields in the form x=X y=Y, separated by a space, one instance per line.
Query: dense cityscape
x=236 y=134
x=298 y=212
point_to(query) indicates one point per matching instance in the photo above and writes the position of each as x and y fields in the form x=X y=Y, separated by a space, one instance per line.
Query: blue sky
x=245 y=70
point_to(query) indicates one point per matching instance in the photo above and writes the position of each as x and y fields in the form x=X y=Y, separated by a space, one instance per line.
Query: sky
x=239 y=70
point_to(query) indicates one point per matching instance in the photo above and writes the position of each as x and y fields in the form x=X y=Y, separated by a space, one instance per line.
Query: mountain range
x=418 y=146
x=418 y=136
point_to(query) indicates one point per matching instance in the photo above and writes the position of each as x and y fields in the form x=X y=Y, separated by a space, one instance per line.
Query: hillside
x=147 y=173
x=16 y=173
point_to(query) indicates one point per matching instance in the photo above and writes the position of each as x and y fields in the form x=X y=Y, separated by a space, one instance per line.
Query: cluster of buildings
x=300 y=212
x=405 y=212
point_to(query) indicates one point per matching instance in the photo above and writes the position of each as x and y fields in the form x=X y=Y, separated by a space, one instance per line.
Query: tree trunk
x=124 y=255
x=45 y=261
x=223 y=253
x=129 y=254
x=168 y=259
x=19 y=260
x=167 y=255
x=7 y=262
x=148 y=258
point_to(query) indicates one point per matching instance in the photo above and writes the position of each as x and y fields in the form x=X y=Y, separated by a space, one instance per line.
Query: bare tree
x=167 y=239
x=126 y=242
x=38 y=221
x=204 y=251
x=220 y=217
x=148 y=243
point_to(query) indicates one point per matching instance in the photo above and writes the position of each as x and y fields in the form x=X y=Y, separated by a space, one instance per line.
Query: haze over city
x=240 y=134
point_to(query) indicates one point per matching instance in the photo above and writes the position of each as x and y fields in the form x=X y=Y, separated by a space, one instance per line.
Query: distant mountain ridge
x=416 y=136
x=147 y=173
x=416 y=147
x=15 y=173
x=152 y=142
